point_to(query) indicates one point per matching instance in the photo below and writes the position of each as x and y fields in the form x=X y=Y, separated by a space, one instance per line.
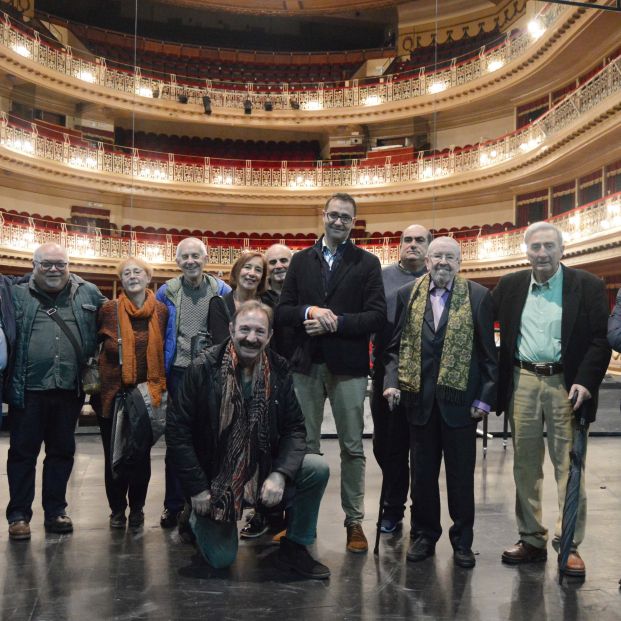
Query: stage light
x=207 y=104
x=268 y=105
x=182 y=99
x=247 y=107
x=295 y=104
x=156 y=93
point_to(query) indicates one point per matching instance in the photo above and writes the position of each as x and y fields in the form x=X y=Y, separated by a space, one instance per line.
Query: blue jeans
x=218 y=541
x=49 y=416
x=173 y=493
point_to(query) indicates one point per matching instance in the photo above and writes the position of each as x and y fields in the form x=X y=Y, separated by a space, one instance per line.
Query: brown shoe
x=278 y=536
x=19 y=530
x=356 y=541
x=575 y=566
x=523 y=552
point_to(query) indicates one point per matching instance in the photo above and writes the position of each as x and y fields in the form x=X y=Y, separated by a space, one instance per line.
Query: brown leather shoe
x=356 y=541
x=19 y=530
x=523 y=552
x=575 y=566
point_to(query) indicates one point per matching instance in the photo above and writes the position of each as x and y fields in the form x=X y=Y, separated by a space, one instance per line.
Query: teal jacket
x=85 y=300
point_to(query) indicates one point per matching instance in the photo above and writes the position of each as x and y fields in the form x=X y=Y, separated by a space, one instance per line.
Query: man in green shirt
x=44 y=391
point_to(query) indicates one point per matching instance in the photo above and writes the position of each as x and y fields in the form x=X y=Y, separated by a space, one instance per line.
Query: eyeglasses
x=46 y=266
x=333 y=216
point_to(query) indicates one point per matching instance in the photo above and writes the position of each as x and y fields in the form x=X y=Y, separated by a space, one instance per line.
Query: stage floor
x=96 y=573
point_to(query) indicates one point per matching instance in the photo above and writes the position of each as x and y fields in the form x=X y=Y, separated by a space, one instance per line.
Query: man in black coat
x=236 y=436
x=334 y=298
x=441 y=365
x=553 y=348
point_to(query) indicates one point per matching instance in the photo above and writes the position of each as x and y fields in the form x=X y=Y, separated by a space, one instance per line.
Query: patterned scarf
x=457 y=347
x=244 y=453
x=156 y=376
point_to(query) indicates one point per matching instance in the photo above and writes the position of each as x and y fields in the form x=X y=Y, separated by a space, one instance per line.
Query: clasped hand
x=323 y=321
x=201 y=503
x=273 y=489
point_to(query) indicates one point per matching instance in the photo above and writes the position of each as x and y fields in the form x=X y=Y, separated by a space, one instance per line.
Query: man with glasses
x=441 y=365
x=334 y=298
x=391 y=444
x=44 y=390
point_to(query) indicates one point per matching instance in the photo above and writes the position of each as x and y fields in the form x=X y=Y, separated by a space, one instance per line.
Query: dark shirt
x=52 y=363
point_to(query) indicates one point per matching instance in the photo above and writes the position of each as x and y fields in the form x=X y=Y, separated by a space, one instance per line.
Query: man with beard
x=236 y=436
x=391 y=445
x=553 y=347
x=44 y=388
x=334 y=299
x=187 y=298
x=441 y=363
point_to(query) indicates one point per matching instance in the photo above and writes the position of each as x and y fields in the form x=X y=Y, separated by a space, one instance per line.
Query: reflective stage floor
x=96 y=573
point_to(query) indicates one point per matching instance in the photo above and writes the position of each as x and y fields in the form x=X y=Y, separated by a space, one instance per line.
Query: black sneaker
x=256 y=526
x=168 y=519
x=60 y=524
x=118 y=519
x=136 y=518
x=296 y=557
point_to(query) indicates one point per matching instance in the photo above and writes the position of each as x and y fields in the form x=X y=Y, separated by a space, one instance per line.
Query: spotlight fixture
x=268 y=105
x=156 y=93
x=295 y=104
x=207 y=104
x=182 y=99
x=247 y=107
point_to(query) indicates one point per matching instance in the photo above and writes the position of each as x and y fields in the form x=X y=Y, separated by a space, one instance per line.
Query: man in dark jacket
x=236 y=436
x=44 y=389
x=334 y=298
x=552 y=347
x=442 y=359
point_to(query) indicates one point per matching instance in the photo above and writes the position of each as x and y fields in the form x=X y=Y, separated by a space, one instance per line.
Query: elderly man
x=553 y=349
x=236 y=435
x=334 y=298
x=278 y=257
x=391 y=445
x=187 y=298
x=44 y=390
x=441 y=363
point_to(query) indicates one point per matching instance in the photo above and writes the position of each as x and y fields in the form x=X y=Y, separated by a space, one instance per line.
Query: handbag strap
x=54 y=315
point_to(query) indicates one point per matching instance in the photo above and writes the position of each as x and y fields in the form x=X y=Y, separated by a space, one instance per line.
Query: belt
x=546 y=369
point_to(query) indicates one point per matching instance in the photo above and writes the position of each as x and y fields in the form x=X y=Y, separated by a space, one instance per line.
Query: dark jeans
x=49 y=416
x=458 y=445
x=173 y=494
x=125 y=486
x=391 y=447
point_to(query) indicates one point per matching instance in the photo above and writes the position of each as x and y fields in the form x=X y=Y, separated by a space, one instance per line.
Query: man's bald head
x=278 y=258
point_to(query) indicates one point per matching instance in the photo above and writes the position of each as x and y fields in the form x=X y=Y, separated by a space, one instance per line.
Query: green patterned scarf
x=457 y=347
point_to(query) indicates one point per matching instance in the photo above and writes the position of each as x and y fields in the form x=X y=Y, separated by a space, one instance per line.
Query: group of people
x=248 y=368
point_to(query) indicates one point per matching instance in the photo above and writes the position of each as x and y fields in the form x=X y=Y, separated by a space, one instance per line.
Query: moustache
x=245 y=343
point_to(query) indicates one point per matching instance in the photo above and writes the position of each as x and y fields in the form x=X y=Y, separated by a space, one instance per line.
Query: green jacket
x=85 y=300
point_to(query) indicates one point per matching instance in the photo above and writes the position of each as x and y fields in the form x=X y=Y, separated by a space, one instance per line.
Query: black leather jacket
x=193 y=416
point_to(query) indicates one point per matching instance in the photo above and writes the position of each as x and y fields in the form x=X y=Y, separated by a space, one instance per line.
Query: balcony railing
x=142 y=82
x=162 y=168
x=583 y=223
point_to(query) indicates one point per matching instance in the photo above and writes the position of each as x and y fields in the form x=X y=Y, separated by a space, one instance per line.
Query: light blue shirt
x=4 y=354
x=539 y=339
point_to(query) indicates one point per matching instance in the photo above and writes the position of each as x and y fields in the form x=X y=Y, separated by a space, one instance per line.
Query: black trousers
x=428 y=443
x=49 y=417
x=131 y=486
x=391 y=447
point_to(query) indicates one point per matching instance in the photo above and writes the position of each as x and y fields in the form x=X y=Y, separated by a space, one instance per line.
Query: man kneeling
x=236 y=435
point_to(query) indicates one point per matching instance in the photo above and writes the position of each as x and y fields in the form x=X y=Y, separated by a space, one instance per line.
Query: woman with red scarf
x=142 y=323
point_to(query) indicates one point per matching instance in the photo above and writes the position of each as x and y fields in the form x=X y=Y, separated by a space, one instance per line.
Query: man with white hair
x=187 y=298
x=553 y=348
x=56 y=314
x=441 y=365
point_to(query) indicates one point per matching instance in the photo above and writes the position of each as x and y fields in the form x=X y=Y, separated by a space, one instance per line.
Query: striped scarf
x=457 y=347
x=244 y=455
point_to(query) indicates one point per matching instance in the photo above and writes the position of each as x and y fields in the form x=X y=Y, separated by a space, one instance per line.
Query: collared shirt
x=330 y=256
x=539 y=339
x=52 y=362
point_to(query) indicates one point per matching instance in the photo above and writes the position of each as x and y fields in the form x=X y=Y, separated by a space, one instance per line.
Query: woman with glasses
x=141 y=321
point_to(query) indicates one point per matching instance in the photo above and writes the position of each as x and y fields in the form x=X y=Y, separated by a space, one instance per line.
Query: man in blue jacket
x=187 y=298
x=44 y=389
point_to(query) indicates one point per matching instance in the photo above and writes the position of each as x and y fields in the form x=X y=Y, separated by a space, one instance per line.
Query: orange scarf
x=156 y=376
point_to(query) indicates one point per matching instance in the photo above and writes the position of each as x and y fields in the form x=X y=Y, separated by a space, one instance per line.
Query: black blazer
x=585 y=353
x=483 y=372
x=355 y=294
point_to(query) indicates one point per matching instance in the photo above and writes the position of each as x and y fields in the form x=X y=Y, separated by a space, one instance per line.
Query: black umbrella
x=572 y=496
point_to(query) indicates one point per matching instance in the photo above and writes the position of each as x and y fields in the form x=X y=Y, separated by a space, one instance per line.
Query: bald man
x=391 y=445
x=278 y=258
x=44 y=389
